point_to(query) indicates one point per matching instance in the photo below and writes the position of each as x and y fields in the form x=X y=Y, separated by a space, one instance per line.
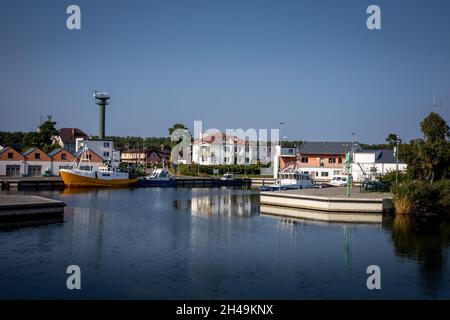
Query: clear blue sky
x=232 y=64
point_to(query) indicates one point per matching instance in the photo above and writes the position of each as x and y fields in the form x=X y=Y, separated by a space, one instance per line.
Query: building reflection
x=241 y=204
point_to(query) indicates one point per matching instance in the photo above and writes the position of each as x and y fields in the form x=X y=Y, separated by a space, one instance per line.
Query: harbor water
x=213 y=243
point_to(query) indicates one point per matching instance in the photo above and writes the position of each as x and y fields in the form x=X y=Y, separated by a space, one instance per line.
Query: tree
x=176 y=126
x=434 y=128
x=429 y=158
x=45 y=134
x=392 y=140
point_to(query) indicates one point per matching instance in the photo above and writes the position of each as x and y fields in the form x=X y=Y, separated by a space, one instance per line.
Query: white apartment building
x=104 y=148
x=220 y=149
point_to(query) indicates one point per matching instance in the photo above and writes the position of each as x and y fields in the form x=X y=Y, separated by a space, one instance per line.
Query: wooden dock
x=52 y=183
x=31 y=183
x=26 y=207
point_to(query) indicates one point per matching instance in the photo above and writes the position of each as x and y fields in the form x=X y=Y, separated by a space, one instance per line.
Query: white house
x=219 y=149
x=368 y=164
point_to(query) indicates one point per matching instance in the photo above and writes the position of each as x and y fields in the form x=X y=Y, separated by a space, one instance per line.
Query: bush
x=195 y=169
x=418 y=197
x=391 y=176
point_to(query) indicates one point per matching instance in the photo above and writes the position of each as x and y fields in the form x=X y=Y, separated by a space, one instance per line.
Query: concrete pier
x=328 y=204
x=24 y=207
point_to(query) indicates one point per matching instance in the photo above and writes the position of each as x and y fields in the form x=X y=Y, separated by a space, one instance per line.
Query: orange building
x=323 y=160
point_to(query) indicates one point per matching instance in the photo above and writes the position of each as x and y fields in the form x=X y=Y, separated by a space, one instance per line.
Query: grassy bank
x=418 y=197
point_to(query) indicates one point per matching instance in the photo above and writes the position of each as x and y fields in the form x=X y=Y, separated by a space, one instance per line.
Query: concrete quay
x=328 y=204
x=24 y=207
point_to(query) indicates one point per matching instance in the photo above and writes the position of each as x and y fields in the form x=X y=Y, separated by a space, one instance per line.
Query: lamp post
x=279 y=156
x=398 y=140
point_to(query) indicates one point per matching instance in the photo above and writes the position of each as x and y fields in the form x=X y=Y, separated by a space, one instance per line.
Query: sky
x=232 y=64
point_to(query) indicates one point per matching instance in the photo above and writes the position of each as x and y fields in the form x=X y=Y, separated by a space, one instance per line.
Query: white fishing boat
x=290 y=179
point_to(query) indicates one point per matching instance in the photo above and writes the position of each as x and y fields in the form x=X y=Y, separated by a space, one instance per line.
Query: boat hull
x=72 y=180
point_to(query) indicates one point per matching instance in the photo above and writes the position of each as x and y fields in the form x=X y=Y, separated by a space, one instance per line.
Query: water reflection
x=425 y=241
x=228 y=202
x=220 y=245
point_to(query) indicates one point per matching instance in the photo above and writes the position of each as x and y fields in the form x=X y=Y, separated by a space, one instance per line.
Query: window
x=321 y=163
x=247 y=160
x=225 y=159
x=247 y=149
x=106 y=154
x=106 y=144
x=34 y=171
x=304 y=160
x=331 y=160
x=37 y=156
x=340 y=160
x=10 y=155
x=324 y=174
x=336 y=172
x=12 y=170
x=63 y=156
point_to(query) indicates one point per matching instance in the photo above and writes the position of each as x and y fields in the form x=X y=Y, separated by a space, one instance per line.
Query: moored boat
x=290 y=179
x=105 y=176
x=158 y=178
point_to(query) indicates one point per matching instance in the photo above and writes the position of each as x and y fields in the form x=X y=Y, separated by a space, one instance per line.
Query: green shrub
x=390 y=177
x=195 y=169
x=417 y=197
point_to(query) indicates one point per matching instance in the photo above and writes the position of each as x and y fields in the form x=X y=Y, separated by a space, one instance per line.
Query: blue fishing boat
x=158 y=178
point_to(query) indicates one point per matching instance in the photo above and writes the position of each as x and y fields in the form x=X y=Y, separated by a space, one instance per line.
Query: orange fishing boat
x=104 y=176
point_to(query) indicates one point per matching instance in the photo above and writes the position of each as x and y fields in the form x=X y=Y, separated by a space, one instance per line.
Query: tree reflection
x=425 y=241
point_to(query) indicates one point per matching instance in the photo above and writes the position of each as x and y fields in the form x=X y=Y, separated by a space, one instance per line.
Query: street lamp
x=398 y=140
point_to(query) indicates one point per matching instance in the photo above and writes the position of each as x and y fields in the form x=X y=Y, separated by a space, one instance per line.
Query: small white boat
x=227 y=176
x=290 y=179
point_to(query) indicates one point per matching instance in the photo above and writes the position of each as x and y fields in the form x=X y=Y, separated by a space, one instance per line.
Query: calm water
x=213 y=244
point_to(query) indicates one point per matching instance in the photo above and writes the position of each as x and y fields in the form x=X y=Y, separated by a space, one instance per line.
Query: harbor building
x=12 y=162
x=145 y=156
x=61 y=158
x=221 y=149
x=36 y=162
x=67 y=138
x=101 y=147
x=369 y=164
x=322 y=160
